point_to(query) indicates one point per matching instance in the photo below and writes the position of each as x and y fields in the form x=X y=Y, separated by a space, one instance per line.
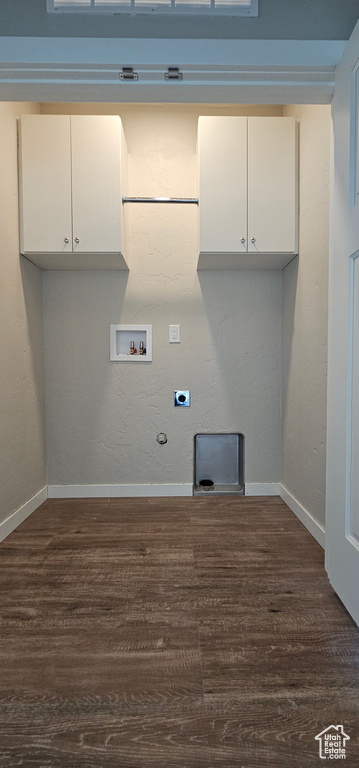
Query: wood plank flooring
x=171 y=633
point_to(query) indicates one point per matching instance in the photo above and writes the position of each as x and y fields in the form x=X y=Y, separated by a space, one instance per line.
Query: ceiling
x=277 y=20
x=286 y=55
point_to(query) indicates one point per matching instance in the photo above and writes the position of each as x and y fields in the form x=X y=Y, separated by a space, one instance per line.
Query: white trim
x=118 y=491
x=262 y=489
x=214 y=71
x=316 y=529
x=353 y=165
x=154 y=490
x=134 y=51
x=17 y=517
x=350 y=392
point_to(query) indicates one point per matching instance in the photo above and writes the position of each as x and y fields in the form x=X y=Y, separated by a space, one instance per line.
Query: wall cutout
x=131 y=343
x=218 y=464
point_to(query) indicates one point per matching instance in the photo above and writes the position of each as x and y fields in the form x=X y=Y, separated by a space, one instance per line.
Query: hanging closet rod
x=193 y=200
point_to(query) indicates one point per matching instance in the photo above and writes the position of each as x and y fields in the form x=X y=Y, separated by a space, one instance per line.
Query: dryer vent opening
x=206 y=485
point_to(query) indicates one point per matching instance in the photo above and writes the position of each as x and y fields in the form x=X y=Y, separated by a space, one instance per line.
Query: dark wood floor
x=171 y=633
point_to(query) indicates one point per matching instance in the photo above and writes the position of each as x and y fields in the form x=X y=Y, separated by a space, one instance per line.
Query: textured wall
x=102 y=417
x=305 y=321
x=22 y=455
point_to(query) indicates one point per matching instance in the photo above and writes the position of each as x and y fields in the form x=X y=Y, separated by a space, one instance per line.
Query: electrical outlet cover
x=174 y=334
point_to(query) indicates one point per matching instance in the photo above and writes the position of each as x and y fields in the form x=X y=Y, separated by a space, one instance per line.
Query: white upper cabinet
x=248 y=192
x=71 y=173
x=45 y=184
x=96 y=191
x=272 y=185
x=222 y=145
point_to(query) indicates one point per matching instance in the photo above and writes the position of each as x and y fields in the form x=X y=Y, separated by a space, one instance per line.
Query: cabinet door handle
x=243 y=240
x=77 y=239
x=253 y=239
x=66 y=240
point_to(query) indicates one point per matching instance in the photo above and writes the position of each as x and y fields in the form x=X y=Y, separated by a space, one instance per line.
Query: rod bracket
x=173 y=73
x=128 y=74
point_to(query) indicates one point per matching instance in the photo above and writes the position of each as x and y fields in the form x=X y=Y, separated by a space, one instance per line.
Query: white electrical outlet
x=174 y=334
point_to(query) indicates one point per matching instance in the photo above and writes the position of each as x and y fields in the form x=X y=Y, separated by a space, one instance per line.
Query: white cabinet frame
x=73 y=173
x=248 y=192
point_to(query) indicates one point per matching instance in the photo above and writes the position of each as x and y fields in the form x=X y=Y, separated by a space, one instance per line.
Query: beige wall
x=305 y=321
x=22 y=450
x=102 y=417
x=141 y=112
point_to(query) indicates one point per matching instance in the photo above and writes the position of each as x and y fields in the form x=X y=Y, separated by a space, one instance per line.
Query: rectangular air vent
x=216 y=7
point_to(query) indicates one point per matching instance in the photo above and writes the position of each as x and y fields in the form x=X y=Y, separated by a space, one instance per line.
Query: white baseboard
x=17 y=517
x=262 y=489
x=143 y=490
x=118 y=491
x=160 y=489
x=316 y=529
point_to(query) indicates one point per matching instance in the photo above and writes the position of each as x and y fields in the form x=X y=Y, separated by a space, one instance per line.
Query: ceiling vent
x=208 y=7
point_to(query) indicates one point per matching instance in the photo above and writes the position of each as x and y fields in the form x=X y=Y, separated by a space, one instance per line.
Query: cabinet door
x=272 y=185
x=96 y=184
x=222 y=151
x=45 y=184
